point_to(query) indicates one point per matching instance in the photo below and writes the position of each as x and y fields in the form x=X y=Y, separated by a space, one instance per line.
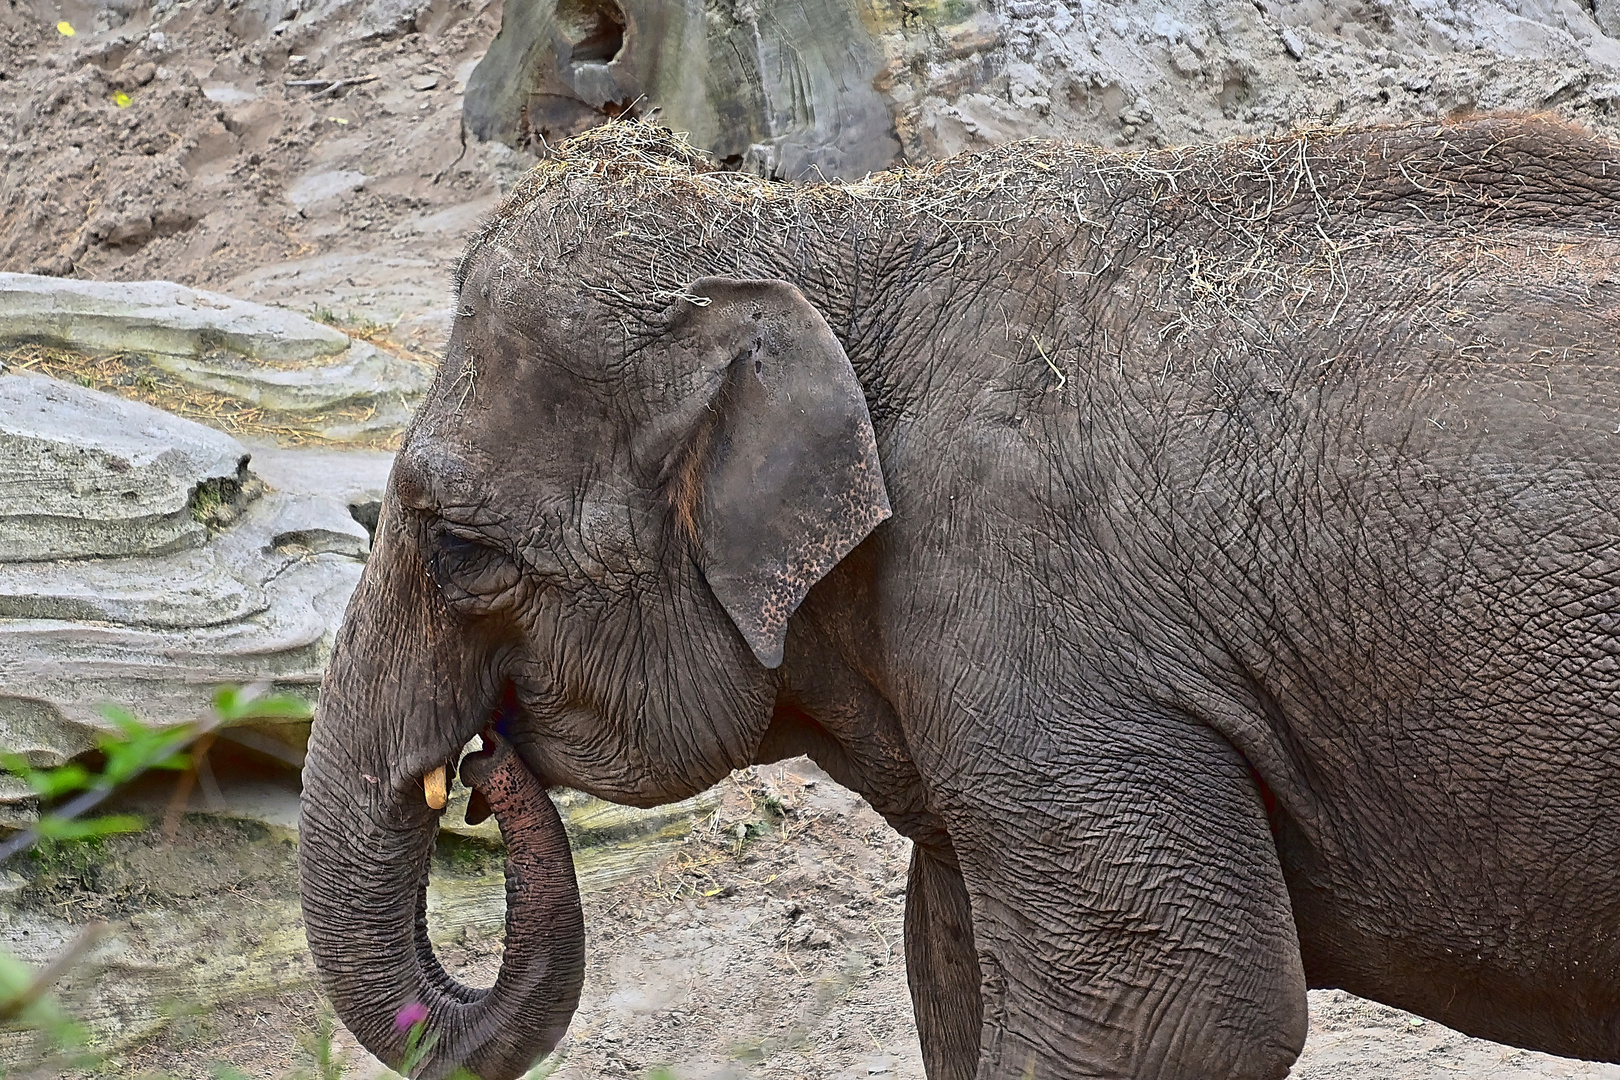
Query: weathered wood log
x=782 y=90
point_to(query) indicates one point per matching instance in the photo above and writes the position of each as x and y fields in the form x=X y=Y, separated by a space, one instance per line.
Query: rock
x=266 y=357
x=93 y=475
x=389 y=18
x=262 y=613
x=974 y=35
x=143 y=619
x=355 y=478
x=176 y=592
x=364 y=373
x=320 y=187
x=131 y=77
x=1607 y=15
x=224 y=94
x=317 y=524
x=424 y=82
x=393 y=290
x=1293 y=44
x=156 y=318
x=122 y=230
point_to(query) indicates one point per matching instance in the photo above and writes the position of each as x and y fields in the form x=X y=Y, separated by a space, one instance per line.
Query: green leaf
x=227 y=699
x=15 y=976
x=121 y=718
x=179 y=760
x=280 y=707
x=59 y=781
x=49 y=783
x=419 y=1043
x=54 y=827
x=143 y=748
x=232 y=704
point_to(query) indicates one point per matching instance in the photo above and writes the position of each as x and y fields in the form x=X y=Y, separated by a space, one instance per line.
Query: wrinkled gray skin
x=1211 y=560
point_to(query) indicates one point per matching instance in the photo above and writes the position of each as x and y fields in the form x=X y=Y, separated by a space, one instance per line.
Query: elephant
x=1209 y=557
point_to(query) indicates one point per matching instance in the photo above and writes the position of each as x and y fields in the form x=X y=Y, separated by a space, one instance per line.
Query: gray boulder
x=178 y=594
x=785 y=90
x=155 y=318
x=362 y=373
x=1607 y=15
x=87 y=474
x=267 y=357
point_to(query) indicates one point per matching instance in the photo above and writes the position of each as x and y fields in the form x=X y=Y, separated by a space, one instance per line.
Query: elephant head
x=594 y=536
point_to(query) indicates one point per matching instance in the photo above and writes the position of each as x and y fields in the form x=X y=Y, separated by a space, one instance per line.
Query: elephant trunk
x=366 y=838
x=369 y=936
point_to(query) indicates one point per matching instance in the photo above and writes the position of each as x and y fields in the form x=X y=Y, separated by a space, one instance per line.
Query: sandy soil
x=190 y=154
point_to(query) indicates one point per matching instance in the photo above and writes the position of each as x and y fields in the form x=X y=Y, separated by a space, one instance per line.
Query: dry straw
x=132 y=377
x=1281 y=234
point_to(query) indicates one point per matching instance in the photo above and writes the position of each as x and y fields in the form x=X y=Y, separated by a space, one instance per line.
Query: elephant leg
x=942 y=967
x=1129 y=908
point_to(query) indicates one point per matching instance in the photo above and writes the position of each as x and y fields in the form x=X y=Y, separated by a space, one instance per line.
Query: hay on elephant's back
x=1223 y=220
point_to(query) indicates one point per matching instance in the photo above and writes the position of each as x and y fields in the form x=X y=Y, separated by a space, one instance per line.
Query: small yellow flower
x=65 y=29
x=337 y=119
x=121 y=100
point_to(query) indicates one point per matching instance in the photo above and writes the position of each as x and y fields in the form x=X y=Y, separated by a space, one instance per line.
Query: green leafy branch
x=130 y=749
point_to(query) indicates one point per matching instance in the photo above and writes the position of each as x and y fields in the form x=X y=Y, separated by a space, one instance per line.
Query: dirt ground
x=192 y=153
x=768 y=945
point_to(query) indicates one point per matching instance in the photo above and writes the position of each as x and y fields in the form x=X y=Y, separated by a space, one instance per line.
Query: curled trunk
x=370 y=939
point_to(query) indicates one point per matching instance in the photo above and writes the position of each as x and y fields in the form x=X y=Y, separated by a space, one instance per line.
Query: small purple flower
x=411 y=1015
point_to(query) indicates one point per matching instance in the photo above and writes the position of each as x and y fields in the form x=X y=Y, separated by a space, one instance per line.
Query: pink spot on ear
x=410 y=1016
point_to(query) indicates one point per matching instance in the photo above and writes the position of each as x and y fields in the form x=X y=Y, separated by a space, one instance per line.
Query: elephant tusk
x=435 y=788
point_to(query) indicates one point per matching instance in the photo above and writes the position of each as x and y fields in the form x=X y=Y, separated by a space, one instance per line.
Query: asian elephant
x=1209 y=557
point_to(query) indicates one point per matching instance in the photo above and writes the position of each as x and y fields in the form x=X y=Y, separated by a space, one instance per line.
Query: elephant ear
x=785 y=479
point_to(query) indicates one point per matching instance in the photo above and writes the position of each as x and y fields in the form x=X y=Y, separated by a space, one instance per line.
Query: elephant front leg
x=942 y=967
x=1128 y=908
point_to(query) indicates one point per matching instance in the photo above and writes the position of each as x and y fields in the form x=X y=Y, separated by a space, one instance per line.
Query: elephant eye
x=467 y=568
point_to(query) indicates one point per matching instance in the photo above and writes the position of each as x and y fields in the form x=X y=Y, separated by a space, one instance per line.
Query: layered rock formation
x=781 y=96
x=144 y=560
x=276 y=360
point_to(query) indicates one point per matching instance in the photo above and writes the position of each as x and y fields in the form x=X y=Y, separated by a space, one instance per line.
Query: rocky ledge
x=313 y=377
x=145 y=559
